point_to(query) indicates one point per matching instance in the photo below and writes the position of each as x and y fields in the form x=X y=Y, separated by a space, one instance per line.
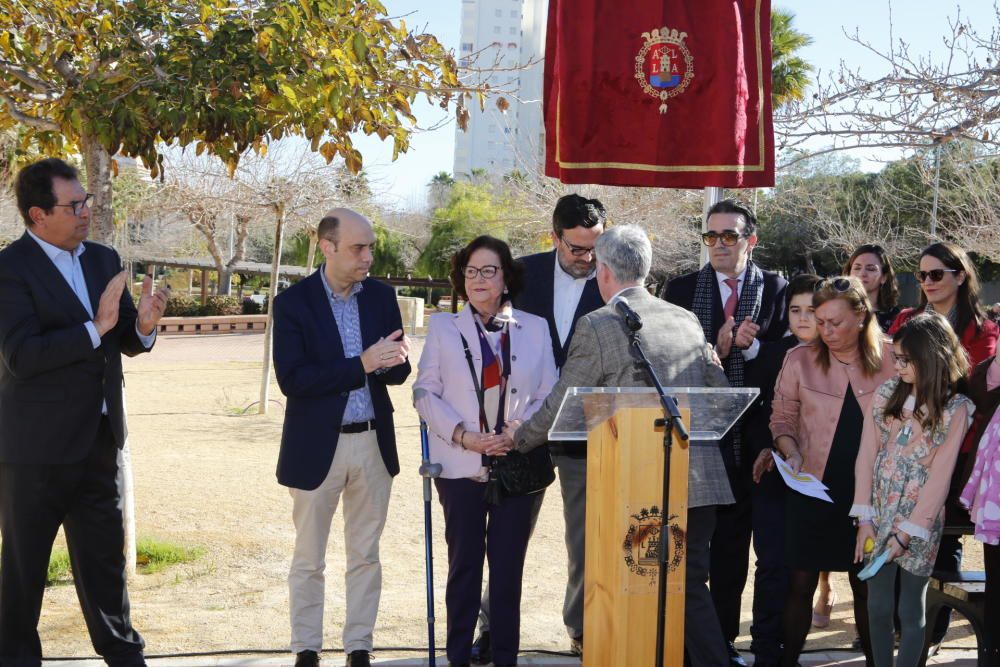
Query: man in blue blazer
x=560 y=287
x=338 y=344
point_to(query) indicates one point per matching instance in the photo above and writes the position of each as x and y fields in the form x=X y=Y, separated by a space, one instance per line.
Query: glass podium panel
x=713 y=409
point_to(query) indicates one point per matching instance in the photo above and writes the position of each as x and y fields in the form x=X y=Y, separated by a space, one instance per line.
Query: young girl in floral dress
x=909 y=444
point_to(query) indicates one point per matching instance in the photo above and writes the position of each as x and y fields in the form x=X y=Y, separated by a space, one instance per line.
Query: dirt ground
x=204 y=476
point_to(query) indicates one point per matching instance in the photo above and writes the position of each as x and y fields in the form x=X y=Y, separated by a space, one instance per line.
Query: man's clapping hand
x=152 y=305
x=390 y=351
x=107 y=308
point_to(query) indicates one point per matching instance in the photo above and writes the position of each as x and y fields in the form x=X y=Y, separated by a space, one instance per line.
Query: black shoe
x=735 y=659
x=458 y=664
x=482 y=650
x=359 y=659
x=576 y=646
x=307 y=659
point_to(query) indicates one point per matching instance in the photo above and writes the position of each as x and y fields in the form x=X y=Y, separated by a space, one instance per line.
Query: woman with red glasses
x=949 y=286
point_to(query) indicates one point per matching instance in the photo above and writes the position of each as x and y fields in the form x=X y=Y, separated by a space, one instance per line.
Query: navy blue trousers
x=770 y=576
x=475 y=530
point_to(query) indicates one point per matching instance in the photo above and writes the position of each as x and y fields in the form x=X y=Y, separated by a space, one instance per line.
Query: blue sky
x=921 y=23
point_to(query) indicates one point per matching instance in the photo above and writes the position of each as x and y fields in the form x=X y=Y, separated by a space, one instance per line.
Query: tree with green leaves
x=108 y=77
x=789 y=71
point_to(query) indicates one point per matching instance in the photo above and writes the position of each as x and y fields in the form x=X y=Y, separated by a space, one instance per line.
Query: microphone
x=632 y=319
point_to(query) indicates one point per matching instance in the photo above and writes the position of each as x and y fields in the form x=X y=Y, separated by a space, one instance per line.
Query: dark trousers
x=991 y=561
x=770 y=576
x=474 y=529
x=730 y=554
x=949 y=559
x=703 y=639
x=84 y=498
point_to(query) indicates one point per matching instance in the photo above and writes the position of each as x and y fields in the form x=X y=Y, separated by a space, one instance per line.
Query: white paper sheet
x=802 y=482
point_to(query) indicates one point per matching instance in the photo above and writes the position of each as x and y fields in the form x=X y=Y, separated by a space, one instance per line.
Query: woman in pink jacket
x=480 y=369
x=822 y=393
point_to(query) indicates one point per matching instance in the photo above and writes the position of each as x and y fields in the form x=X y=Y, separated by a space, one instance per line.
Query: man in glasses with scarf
x=740 y=307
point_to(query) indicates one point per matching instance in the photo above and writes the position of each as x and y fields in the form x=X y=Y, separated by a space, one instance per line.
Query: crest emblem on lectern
x=664 y=66
x=642 y=543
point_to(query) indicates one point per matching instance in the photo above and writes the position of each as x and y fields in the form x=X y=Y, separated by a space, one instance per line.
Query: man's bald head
x=336 y=219
x=347 y=241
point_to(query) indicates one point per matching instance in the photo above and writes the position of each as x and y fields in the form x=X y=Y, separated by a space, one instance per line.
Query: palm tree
x=789 y=72
x=440 y=186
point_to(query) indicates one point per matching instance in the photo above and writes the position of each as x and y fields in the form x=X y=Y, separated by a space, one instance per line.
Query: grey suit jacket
x=599 y=356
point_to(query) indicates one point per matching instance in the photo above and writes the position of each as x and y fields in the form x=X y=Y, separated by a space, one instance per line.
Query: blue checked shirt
x=345 y=312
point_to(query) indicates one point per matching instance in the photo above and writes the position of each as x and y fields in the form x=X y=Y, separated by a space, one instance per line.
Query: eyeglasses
x=837 y=284
x=488 y=271
x=576 y=250
x=78 y=206
x=729 y=238
x=934 y=274
x=900 y=360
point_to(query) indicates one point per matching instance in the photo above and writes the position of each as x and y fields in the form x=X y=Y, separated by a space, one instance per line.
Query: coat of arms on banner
x=664 y=66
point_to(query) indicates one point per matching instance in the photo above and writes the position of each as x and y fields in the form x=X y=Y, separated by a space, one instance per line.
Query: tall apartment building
x=505 y=36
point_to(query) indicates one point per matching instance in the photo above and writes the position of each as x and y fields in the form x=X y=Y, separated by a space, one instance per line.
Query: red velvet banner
x=665 y=93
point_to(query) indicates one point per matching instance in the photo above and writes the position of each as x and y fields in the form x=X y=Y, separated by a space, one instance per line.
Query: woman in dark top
x=869 y=264
x=821 y=394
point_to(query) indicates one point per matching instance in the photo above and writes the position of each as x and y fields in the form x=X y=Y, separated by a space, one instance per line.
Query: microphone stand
x=671 y=420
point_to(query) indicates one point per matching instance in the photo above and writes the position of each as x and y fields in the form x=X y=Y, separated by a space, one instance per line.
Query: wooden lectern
x=624 y=492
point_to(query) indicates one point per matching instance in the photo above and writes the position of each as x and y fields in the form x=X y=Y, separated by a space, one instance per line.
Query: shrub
x=182 y=305
x=251 y=307
x=221 y=305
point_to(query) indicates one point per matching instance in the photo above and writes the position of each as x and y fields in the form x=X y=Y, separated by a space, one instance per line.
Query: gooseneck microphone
x=632 y=319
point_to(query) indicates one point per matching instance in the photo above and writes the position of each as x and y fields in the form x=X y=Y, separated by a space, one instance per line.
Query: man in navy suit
x=562 y=289
x=738 y=305
x=66 y=318
x=338 y=344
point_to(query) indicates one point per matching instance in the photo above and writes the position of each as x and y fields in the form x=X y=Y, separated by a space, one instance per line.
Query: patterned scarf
x=495 y=371
x=749 y=306
x=703 y=307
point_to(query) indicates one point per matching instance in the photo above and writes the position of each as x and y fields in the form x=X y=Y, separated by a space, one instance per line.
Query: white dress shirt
x=751 y=352
x=566 y=294
x=68 y=264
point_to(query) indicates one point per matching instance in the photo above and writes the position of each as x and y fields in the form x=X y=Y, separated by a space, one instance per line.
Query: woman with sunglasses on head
x=869 y=264
x=480 y=369
x=822 y=393
x=909 y=446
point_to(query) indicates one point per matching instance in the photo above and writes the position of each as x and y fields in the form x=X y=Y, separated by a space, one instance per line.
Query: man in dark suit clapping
x=66 y=317
x=738 y=305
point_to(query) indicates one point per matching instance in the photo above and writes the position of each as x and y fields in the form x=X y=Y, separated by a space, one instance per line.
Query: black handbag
x=524 y=474
x=516 y=474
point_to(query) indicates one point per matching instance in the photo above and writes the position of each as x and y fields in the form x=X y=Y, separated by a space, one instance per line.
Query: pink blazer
x=807 y=402
x=445 y=396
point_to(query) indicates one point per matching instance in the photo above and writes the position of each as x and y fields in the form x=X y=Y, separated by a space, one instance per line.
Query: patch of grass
x=153 y=555
x=59 y=569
